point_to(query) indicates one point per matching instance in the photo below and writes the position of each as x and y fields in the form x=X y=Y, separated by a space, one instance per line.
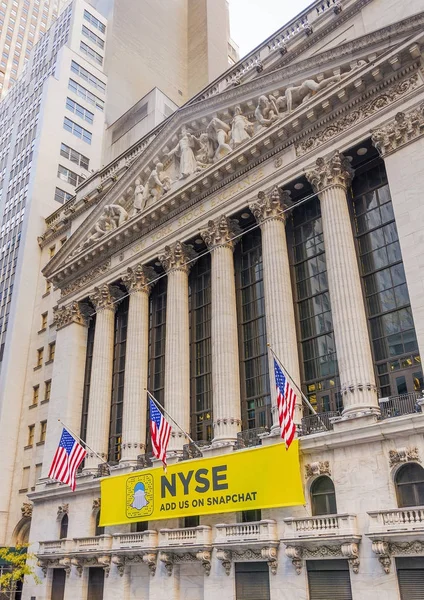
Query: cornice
x=400 y=131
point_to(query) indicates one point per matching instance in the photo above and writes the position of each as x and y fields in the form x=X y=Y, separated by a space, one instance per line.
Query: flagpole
x=82 y=442
x=298 y=388
x=159 y=405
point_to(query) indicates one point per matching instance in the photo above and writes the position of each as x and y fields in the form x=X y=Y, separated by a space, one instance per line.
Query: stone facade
x=302 y=122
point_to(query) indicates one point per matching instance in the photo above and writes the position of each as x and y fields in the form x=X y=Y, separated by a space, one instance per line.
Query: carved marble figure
x=241 y=128
x=138 y=195
x=266 y=112
x=205 y=153
x=157 y=184
x=296 y=95
x=218 y=132
x=184 y=151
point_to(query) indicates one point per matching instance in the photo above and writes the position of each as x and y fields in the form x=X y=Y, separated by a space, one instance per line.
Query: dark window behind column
x=200 y=349
x=329 y=579
x=87 y=377
x=252 y=581
x=96 y=581
x=315 y=326
x=58 y=584
x=157 y=339
x=117 y=400
x=254 y=375
x=394 y=342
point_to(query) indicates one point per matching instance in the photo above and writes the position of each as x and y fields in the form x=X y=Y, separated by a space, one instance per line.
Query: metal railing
x=404 y=404
x=190 y=450
x=250 y=437
x=317 y=423
x=144 y=461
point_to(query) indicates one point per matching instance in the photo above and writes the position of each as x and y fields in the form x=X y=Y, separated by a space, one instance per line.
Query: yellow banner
x=264 y=477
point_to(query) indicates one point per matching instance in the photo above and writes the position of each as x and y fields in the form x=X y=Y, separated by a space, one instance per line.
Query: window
x=37 y=473
x=58 y=584
x=40 y=353
x=74 y=156
x=323 y=497
x=91 y=53
x=80 y=91
x=43 y=429
x=44 y=321
x=61 y=196
x=96 y=582
x=77 y=130
x=25 y=479
x=139 y=526
x=79 y=110
x=35 y=394
x=252 y=581
x=88 y=77
x=409 y=484
x=98 y=530
x=193 y=521
x=329 y=579
x=410 y=572
x=157 y=339
x=91 y=19
x=48 y=287
x=52 y=350
x=69 y=176
x=200 y=349
x=63 y=534
x=250 y=516
x=47 y=390
x=93 y=37
x=87 y=376
x=52 y=251
x=31 y=430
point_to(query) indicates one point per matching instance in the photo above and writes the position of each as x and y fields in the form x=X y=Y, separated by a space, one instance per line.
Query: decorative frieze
x=96 y=505
x=66 y=315
x=26 y=510
x=333 y=171
x=270 y=206
x=386 y=550
x=267 y=553
x=89 y=276
x=317 y=468
x=403 y=129
x=221 y=232
x=62 y=510
x=299 y=552
x=178 y=256
x=402 y=455
x=138 y=279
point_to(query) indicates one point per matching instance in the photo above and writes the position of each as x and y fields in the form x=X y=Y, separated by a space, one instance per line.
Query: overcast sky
x=252 y=21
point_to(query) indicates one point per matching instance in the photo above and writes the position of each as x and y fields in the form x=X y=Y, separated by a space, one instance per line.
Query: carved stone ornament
x=76 y=562
x=204 y=556
x=168 y=560
x=269 y=206
x=295 y=554
x=137 y=279
x=66 y=315
x=402 y=455
x=403 y=129
x=65 y=563
x=103 y=298
x=317 y=468
x=356 y=115
x=221 y=233
x=119 y=562
x=330 y=172
x=177 y=257
x=76 y=284
x=112 y=217
x=104 y=561
x=149 y=559
x=96 y=504
x=348 y=550
x=270 y=554
x=226 y=558
x=26 y=510
x=62 y=510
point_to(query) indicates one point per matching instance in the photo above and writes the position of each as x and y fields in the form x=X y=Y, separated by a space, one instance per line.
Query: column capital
x=332 y=171
x=220 y=232
x=66 y=315
x=399 y=131
x=176 y=257
x=270 y=205
x=103 y=298
x=138 y=279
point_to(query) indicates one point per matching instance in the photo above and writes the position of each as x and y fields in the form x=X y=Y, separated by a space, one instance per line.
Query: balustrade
x=401 y=519
x=321 y=526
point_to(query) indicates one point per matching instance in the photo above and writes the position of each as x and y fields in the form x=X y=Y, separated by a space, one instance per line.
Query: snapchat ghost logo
x=139 y=500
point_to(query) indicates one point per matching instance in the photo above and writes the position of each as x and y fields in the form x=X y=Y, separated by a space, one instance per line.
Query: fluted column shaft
x=330 y=179
x=136 y=365
x=177 y=342
x=279 y=307
x=98 y=421
x=225 y=355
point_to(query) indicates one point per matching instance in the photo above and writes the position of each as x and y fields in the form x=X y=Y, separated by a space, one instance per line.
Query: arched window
x=64 y=527
x=410 y=485
x=99 y=530
x=323 y=497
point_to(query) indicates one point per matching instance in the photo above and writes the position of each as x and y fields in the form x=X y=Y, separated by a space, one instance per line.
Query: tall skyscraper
x=22 y=23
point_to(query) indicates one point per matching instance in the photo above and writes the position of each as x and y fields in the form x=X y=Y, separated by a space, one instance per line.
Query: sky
x=252 y=21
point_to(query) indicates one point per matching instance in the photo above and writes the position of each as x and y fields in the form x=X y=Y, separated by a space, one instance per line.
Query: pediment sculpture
x=112 y=217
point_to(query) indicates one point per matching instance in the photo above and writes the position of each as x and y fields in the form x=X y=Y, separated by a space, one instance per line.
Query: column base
x=358 y=417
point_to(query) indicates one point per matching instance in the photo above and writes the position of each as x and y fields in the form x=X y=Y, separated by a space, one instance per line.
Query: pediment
x=204 y=144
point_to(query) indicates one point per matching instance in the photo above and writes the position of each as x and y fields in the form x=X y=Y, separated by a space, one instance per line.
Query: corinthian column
x=177 y=343
x=331 y=178
x=279 y=309
x=136 y=363
x=98 y=421
x=225 y=356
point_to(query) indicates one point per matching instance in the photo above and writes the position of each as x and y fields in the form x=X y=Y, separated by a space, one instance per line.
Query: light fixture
x=298 y=186
x=245 y=215
x=157 y=264
x=198 y=241
x=349 y=158
x=361 y=151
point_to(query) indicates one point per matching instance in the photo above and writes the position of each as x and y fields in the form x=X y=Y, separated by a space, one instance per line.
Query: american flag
x=160 y=430
x=286 y=401
x=68 y=457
